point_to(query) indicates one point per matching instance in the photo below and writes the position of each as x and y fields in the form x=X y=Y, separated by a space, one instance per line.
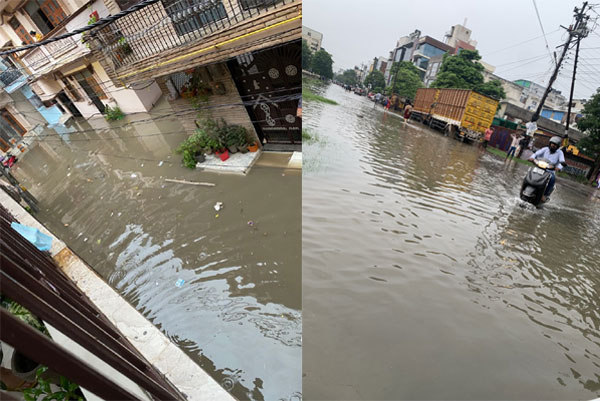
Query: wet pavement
x=225 y=285
x=423 y=278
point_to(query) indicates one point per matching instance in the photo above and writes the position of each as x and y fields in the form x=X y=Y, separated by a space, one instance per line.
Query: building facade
x=313 y=38
x=242 y=57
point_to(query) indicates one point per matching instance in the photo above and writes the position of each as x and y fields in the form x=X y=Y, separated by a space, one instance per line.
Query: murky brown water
x=239 y=311
x=424 y=279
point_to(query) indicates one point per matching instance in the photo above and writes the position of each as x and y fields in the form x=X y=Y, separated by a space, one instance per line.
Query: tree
x=376 y=79
x=405 y=79
x=322 y=64
x=307 y=56
x=461 y=71
x=348 y=77
x=590 y=125
x=492 y=88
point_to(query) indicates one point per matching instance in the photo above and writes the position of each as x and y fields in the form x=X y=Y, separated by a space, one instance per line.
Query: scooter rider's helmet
x=556 y=140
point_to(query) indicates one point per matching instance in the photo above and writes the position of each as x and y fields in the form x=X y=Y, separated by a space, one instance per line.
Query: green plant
x=113 y=113
x=22 y=313
x=213 y=135
x=67 y=390
x=124 y=46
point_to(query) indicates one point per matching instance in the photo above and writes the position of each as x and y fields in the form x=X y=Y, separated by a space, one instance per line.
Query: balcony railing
x=54 y=55
x=9 y=76
x=169 y=24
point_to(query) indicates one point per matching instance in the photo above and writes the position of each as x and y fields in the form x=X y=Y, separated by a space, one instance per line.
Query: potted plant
x=124 y=47
x=253 y=147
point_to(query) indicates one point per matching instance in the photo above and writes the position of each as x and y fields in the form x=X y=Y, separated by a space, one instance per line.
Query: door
x=64 y=99
x=53 y=11
x=20 y=31
x=270 y=84
x=91 y=88
x=11 y=130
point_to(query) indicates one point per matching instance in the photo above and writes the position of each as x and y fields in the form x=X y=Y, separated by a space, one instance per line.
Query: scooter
x=536 y=181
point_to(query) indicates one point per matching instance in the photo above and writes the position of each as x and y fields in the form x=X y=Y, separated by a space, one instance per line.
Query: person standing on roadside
x=513 y=146
x=487 y=136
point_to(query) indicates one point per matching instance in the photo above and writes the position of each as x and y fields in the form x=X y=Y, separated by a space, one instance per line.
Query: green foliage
x=348 y=77
x=492 y=88
x=405 y=79
x=307 y=94
x=113 y=113
x=375 y=79
x=590 y=125
x=124 y=46
x=211 y=135
x=307 y=56
x=22 y=313
x=322 y=64
x=67 y=390
x=461 y=71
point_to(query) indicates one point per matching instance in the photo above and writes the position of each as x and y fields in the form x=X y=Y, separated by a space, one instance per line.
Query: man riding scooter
x=555 y=156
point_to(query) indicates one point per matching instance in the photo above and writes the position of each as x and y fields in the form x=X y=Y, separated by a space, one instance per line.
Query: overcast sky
x=355 y=31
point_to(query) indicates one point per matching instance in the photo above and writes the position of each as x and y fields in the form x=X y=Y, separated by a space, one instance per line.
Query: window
x=20 y=31
x=248 y=4
x=46 y=15
x=10 y=129
x=71 y=91
x=84 y=77
x=205 y=12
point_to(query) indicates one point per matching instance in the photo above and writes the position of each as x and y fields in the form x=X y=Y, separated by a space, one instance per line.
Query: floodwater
x=423 y=278
x=238 y=311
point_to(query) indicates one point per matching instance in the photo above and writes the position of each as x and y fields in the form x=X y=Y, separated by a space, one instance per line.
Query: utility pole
x=582 y=32
x=573 y=30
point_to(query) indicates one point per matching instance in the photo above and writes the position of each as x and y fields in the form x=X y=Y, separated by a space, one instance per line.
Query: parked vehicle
x=535 y=182
x=463 y=112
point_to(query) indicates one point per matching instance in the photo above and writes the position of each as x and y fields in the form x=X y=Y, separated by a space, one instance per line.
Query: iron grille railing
x=8 y=76
x=169 y=24
x=31 y=278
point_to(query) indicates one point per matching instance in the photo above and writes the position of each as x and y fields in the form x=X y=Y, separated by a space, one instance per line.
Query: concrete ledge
x=169 y=359
x=238 y=163
x=295 y=161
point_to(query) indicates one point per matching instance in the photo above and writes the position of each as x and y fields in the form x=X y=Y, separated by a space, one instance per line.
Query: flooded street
x=423 y=278
x=238 y=311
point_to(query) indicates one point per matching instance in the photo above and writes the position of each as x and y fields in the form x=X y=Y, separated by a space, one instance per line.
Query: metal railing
x=169 y=24
x=31 y=278
x=8 y=76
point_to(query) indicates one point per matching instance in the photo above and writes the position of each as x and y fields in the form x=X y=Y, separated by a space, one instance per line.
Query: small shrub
x=113 y=113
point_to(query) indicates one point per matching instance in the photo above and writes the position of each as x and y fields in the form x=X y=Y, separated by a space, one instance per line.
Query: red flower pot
x=223 y=155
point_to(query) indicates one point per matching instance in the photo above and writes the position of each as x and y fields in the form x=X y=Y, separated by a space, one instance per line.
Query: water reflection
x=224 y=286
x=425 y=279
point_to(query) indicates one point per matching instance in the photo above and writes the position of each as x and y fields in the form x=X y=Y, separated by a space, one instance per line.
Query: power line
x=519 y=44
x=542 y=26
x=98 y=24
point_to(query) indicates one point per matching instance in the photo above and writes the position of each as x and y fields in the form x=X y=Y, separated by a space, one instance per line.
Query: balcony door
x=11 y=131
x=46 y=15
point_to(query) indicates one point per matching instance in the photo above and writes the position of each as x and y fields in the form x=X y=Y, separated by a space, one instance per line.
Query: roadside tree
x=307 y=56
x=590 y=125
x=348 y=77
x=322 y=64
x=405 y=79
x=492 y=88
x=462 y=71
x=376 y=79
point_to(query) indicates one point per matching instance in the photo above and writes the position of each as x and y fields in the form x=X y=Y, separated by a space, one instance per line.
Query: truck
x=462 y=112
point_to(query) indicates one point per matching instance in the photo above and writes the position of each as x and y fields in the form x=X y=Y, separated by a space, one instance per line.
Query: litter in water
x=179 y=283
x=218 y=206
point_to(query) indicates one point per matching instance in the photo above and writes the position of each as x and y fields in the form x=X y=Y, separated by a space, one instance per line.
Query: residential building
x=65 y=73
x=426 y=48
x=313 y=38
x=532 y=95
x=459 y=38
x=243 y=56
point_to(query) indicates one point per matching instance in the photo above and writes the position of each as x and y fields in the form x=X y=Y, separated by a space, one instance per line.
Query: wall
x=50 y=114
x=128 y=100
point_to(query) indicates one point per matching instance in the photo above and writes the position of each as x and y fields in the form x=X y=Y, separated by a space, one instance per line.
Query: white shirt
x=555 y=158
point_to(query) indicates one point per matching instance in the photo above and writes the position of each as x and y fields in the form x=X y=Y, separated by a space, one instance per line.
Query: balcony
x=11 y=79
x=175 y=28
